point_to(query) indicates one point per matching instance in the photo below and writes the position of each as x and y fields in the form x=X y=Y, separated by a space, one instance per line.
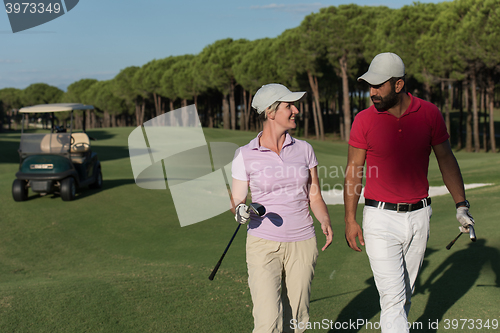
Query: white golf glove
x=242 y=215
x=465 y=219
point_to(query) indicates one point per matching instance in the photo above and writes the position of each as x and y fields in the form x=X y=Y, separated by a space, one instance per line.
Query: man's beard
x=384 y=104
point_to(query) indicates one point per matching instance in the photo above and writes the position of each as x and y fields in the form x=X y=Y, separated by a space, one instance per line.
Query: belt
x=399 y=207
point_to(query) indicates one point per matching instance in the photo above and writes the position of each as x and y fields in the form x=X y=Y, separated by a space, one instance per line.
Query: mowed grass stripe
x=117 y=260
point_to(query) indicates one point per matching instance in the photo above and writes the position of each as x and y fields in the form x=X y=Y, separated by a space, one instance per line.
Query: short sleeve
x=311 y=157
x=439 y=131
x=357 y=137
x=238 y=169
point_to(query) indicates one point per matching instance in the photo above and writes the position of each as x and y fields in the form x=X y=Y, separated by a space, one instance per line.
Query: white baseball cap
x=273 y=92
x=383 y=67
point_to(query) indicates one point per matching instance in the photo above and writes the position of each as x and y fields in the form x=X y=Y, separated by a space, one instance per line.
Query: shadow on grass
x=364 y=306
x=106 y=185
x=8 y=150
x=367 y=303
x=446 y=284
x=455 y=277
x=85 y=191
x=337 y=295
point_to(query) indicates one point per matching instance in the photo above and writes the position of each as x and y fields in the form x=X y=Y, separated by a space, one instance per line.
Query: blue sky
x=98 y=38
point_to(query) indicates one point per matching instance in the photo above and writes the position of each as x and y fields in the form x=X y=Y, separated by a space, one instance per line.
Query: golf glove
x=242 y=215
x=465 y=219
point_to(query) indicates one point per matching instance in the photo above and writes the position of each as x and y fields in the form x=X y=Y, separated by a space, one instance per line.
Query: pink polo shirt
x=280 y=183
x=398 y=149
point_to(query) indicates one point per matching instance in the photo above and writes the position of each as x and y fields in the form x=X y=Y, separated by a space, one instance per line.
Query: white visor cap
x=383 y=67
x=273 y=92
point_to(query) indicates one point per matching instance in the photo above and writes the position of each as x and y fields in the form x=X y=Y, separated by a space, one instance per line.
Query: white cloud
x=291 y=8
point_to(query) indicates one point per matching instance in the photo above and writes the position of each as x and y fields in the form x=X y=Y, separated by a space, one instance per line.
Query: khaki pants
x=279 y=276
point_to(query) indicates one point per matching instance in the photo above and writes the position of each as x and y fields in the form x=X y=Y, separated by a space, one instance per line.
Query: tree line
x=451 y=51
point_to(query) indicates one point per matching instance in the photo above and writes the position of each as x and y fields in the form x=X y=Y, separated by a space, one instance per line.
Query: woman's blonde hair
x=270 y=109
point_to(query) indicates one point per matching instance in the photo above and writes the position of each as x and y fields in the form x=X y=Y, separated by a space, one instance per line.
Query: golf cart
x=56 y=162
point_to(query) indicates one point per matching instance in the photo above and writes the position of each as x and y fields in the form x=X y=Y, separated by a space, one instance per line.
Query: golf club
x=257 y=209
x=453 y=241
x=472 y=234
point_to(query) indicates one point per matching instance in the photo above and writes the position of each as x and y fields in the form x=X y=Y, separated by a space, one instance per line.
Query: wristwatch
x=463 y=203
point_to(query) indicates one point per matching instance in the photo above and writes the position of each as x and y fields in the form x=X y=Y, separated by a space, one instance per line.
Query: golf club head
x=257 y=208
x=472 y=233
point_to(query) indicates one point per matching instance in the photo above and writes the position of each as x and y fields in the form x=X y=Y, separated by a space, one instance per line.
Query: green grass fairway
x=117 y=260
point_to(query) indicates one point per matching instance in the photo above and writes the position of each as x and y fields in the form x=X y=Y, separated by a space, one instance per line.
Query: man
x=395 y=137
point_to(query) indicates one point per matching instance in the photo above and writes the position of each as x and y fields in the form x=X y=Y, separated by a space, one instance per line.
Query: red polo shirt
x=398 y=149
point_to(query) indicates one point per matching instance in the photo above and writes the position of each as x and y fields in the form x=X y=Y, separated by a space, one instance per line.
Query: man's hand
x=353 y=230
x=465 y=219
x=242 y=215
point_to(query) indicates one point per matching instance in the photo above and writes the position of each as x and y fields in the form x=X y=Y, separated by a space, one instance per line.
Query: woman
x=281 y=245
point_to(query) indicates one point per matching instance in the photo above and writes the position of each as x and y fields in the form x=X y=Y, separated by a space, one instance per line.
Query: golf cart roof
x=57 y=107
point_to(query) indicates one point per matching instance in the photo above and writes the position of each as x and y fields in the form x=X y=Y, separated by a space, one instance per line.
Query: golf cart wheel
x=19 y=190
x=98 y=180
x=68 y=189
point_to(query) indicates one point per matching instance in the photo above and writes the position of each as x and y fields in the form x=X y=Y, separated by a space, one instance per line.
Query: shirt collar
x=254 y=144
x=413 y=107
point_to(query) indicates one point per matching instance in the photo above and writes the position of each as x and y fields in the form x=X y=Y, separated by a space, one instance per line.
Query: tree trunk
x=442 y=99
x=446 y=105
x=345 y=92
x=225 y=112
x=249 y=110
x=315 y=117
x=88 y=120
x=460 y=91
x=143 y=111
x=137 y=114
x=105 y=117
x=232 y=105
x=318 y=123
x=341 y=127
x=485 y=115
x=157 y=99
x=306 y=119
x=319 y=111
x=491 y=105
x=449 y=107
x=244 y=110
x=9 y=117
x=468 y=121
x=427 y=85
x=184 y=113
x=475 y=113
x=94 y=119
x=360 y=100
x=210 y=114
x=332 y=111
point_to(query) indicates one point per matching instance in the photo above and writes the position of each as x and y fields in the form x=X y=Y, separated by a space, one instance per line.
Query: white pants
x=395 y=244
